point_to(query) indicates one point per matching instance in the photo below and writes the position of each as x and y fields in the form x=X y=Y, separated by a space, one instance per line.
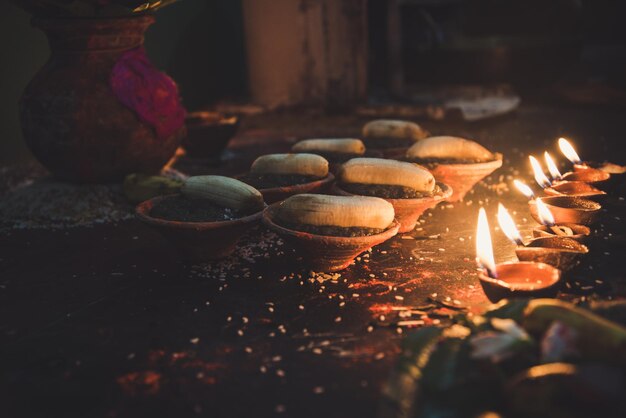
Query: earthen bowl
x=208 y=133
x=278 y=194
x=616 y=172
x=560 y=252
x=326 y=253
x=565 y=209
x=592 y=176
x=198 y=241
x=463 y=177
x=580 y=232
x=575 y=189
x=521 y=280
x=409 y=210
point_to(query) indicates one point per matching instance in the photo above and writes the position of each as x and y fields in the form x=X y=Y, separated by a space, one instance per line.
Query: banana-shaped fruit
x=140 y=187
x=449 y=147
x=223 y=191
x=339 y=211
x=338 y=146
x=597 y=338
x=388 y=128
x=300 y=164
x=386 y=172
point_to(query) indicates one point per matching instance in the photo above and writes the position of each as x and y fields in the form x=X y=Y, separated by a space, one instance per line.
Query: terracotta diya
x=591 y=176
x=408 y=211
x=576 y=232
x=566 y=209
x=510 y=280
x=326 y=252
x=575 y=189
x=198 y=241
x=560 y=252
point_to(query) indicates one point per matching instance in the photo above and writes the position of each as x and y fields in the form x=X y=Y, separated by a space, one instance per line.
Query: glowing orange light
x=484 y=249
x=507 y=224
x=568 y=150
x=540 y=177
x=524 y=189
x=552 y=168
x=544 y=214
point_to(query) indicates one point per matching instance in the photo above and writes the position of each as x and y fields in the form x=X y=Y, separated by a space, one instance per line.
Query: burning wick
x=507 y=224
x=544 y=214
x=524 y=189
x=484 y=250
x=540 y=177
x=568 y=150
x=554 y=171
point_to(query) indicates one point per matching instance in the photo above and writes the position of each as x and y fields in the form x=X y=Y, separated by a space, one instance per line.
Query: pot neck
x=90 y=35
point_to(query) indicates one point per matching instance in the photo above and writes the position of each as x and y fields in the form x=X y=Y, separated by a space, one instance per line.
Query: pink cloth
x=148 y=91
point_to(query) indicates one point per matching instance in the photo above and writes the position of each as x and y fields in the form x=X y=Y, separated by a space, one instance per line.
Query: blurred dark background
x=569 y=51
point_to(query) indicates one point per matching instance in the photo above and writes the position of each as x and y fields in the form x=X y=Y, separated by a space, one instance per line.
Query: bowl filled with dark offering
x=567 y=209
x=391 y=138
x=328 y=232
x=278 y=176
x=208 y=133
x=335 y=150
x=560 y=252
x=207 y=219
x=460 y=163
x=411 y=189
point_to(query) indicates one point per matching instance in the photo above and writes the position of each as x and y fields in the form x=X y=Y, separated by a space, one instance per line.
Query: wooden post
x=306 y=52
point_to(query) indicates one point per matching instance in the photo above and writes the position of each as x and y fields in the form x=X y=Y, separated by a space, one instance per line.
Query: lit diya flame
x=524 y=189
x=554 y=171
x=544 y=214
x=484 y=250
x=507 y=224
x=540 y=177
x=568 y=150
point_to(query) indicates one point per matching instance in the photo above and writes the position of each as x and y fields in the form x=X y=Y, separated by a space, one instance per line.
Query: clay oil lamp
x=510 y=280
x=583 y=171
x=410 y=188
x=562 y=187
x=570 y=230
x=558 y=251
x=279 y=176
x=208 y=133
x=567 y=209
x=328 y=232
x=207 y=219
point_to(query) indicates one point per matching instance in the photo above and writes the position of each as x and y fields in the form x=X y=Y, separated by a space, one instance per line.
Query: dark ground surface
x=108 y=321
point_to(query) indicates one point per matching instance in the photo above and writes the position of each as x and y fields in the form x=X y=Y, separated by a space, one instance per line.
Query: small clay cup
x=409 y=210
x=521 y=280
x=323 y=252
x=592 y=176
x=208 y=133
x=580 y=232
x=198 y=241
x=616 y=172
x=463 y=177
x=575 y=189
x=278 y=194
x=560 y=252
x=566 y=209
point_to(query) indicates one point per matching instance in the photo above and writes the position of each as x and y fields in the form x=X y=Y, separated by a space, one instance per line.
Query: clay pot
x=521 y=280
x=567 y=209
x=592 y=176
x=575 y=189
x=408 y=211
x=98 y=110
x=208 y=133
x=560 y=252
x=616 y=172
x=581 y=232
x=278 y=194
x=323 y=252
x=198 y=241
x=462 y=177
